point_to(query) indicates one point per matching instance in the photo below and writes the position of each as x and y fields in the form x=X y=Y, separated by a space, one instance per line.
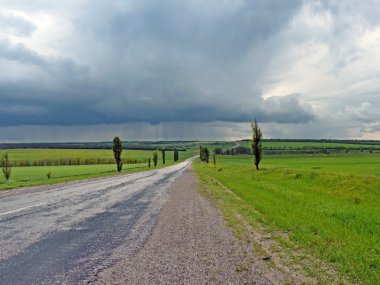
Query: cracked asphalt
x=70 y=233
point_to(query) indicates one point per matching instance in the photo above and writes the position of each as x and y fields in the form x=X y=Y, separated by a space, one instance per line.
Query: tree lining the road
x=6 y=166
x=256 y=144
x=117 y=151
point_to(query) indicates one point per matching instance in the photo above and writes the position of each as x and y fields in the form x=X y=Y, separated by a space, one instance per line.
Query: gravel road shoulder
x=191 y=244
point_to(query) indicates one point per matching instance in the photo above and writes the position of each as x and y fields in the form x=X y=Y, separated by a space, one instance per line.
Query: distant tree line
x=169 y=145
x=362 y=142
x=242 y=150
x=95 y=145
x=239 y=150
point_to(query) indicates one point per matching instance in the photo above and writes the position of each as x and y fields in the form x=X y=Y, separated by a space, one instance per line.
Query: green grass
x=41 y=154
x=37 y=175
x=328 y=206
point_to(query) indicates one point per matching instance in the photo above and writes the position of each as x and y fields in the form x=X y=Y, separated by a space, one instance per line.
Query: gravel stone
x=190 y=244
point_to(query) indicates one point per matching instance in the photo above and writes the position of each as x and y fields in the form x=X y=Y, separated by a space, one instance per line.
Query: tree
x=204 y=154
x=155 y=158
x=214 y=157
x=176 y=155
x=149 y=161
x=256 y=144
x=163 y=155
x=6 y=166
x=117 y=150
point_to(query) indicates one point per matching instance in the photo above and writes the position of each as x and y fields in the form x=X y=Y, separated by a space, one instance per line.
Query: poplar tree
x=256 y=144
x=204 y=154
x=117 y=150
x=176 y=155
x=163 y=155
x=155 y=158
x=6 y=166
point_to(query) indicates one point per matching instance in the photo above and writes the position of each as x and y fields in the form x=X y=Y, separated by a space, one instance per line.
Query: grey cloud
x=371 y=128
x=20 y=110
x=155 y=62
x=286 y=109
x=26 y=56
x=318 y=129
x=135 y=131
x=363 y=113
x=15 y=25
x=19 y=53
x=167 y=64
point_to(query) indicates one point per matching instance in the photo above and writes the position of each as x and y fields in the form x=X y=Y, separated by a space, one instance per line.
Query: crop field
x=37 y=175
x=307 y=144
x=42 y=154
x=89 y=156
x=325 y=206
x=32 y=165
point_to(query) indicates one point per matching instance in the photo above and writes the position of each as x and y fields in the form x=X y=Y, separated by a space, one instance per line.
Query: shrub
x=6 y=166
x=163 y=155
x=176 y=155
x=155 y=158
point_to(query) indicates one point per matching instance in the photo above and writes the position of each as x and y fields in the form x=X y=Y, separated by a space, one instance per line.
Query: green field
x=329 y=207
x=37 y=175
x=300 y=144
x=41 y=154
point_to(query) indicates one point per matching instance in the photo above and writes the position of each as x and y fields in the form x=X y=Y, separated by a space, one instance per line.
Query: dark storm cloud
x=149 y=61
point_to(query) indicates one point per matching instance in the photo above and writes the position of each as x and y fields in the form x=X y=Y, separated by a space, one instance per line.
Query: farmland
x=72 y=161
x=37 y=175
x=319 y=143
x=299 y=146
x=83 y=155
x=323 y=206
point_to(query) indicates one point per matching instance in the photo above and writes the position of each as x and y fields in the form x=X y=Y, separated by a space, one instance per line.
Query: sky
x=87 y=70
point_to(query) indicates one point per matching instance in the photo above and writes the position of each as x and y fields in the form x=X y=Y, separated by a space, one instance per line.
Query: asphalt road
x=70 y=233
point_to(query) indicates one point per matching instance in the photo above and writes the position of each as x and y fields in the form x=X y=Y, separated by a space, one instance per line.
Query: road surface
x=70 y=233
x=190 y=244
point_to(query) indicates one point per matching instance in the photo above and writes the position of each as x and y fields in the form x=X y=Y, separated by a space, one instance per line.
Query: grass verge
x=312 y=220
